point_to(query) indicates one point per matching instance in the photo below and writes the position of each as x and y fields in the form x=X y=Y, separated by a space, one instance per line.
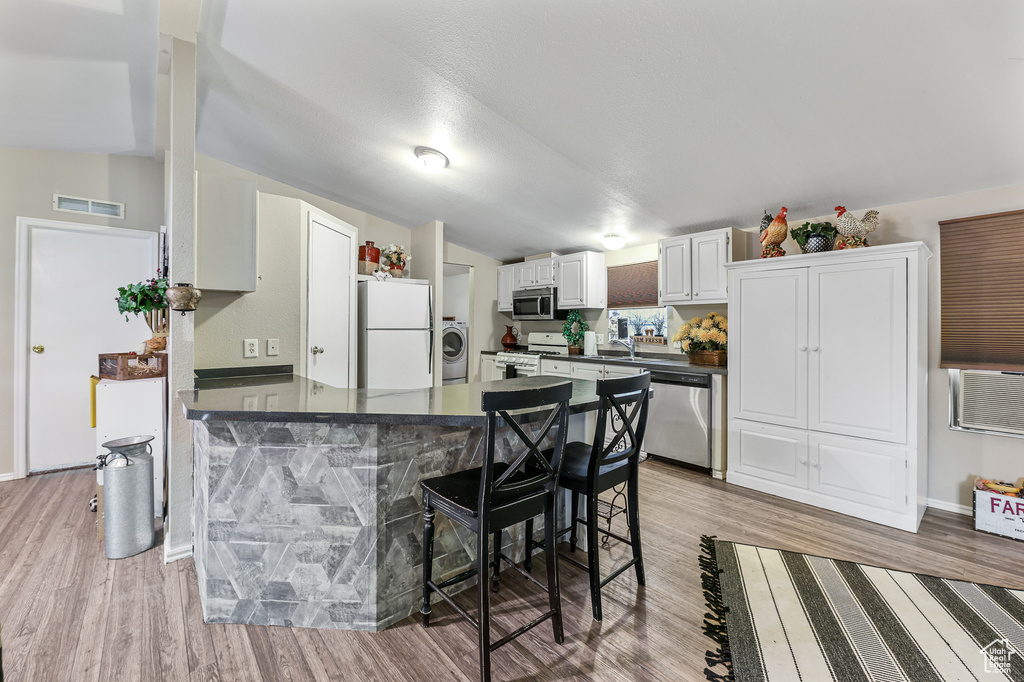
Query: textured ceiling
x=564 y=119
x=78 y=75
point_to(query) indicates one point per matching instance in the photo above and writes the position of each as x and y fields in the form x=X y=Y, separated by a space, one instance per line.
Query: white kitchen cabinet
x=226 y=233
x=489 y=368
x=524 y=275
x=691 y=268
x=555 y=367
x=505 y=287
x=536 y=272
x=545 y=271
x=582 y=280
x=827 y=365
x=586 y=370
x=618 y=371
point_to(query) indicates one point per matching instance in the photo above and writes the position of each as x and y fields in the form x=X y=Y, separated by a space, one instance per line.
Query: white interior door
x=330 y=300
x=73 y=272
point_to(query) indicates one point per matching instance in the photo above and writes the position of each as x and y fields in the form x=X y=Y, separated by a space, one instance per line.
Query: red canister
x=369 y=259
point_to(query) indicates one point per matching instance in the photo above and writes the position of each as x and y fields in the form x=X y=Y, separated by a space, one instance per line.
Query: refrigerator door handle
x=430 y=357
x=430 y=307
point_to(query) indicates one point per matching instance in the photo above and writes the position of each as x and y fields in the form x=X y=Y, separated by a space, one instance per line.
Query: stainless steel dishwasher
x=679 y=418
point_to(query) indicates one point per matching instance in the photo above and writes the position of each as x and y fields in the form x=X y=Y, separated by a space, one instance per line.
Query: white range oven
x=527 y=363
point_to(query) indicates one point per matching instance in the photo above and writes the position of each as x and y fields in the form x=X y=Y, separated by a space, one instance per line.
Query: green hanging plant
x=574 y=328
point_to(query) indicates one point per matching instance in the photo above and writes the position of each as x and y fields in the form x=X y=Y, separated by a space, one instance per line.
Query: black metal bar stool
x=497 y=495
x=591 y=469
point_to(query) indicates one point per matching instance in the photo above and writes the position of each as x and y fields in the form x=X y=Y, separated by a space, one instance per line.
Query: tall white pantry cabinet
x=827 y=380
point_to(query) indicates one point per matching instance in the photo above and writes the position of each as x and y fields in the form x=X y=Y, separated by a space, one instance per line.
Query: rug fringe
x=714 y=620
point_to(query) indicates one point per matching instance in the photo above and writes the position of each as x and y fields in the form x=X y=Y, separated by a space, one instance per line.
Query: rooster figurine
x=773 y=236
x=855 y=232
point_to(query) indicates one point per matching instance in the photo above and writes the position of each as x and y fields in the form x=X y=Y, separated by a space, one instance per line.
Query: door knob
x=316 y=350
x=37 y=349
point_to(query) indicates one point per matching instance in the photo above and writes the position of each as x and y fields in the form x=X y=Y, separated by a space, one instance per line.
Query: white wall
x=485 y=322
x=457 y=293
x=224 y=319
x=28 y=180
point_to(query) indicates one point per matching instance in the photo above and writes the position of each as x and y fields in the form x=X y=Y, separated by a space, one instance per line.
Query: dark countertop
x=293 y=398
x=674 y=364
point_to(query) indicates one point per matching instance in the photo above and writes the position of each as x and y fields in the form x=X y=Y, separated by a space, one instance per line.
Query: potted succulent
x=573 y=329
x=704 y=340
x=148 y=298
x=815 y=237
x=394 y=257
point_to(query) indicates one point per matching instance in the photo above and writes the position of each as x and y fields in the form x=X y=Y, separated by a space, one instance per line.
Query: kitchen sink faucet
x=631 y=346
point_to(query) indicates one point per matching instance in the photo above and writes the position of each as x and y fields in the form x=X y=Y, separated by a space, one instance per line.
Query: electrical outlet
x=677 y=344
x=250 y=348
x=272 y=345
x=250 y=403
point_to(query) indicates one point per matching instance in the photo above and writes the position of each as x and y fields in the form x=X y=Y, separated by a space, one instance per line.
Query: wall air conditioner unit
x=989 y=401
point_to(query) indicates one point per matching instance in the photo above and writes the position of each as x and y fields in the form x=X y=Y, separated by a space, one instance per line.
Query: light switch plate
x=600 y=338
x=677 y=344
x=250 y=403
x=271 y=402
x=250 y=348
x=272 y=345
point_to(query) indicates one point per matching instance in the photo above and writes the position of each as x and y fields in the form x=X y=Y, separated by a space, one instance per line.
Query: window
x=983 y=292
x=640 y=321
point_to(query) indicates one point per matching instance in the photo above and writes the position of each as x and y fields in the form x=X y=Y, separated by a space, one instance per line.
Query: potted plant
x=704 y=340
x=815 y=237
x=573 y=329
x=148 y=298
x=394 y=257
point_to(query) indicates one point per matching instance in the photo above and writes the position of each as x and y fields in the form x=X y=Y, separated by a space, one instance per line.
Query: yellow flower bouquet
x=703 y=333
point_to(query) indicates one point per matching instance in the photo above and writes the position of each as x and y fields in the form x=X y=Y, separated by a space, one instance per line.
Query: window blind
x=633 y=286
x=982 y=279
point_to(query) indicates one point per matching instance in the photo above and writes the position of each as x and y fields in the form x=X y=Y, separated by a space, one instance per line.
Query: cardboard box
x=999 y=514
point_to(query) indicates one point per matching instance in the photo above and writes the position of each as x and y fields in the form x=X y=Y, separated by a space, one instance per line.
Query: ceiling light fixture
x=613 y=241
x=431 y=158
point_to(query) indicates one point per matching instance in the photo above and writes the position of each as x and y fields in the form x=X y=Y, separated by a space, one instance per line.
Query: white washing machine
x=454 y=352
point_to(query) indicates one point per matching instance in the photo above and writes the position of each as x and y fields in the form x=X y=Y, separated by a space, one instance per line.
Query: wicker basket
x=714 y=358
x=126 y=366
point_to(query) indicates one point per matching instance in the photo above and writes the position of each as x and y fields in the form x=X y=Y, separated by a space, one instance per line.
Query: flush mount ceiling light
x=431 y=158
x=613 y=241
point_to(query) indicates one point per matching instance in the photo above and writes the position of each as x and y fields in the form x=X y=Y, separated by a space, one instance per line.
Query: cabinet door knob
x=316 y=350
x=803 y=348
x=815 y=350
x=37 y=349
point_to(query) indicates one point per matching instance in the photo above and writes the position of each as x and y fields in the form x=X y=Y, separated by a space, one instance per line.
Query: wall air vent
x=991 y=401
x=106 y=209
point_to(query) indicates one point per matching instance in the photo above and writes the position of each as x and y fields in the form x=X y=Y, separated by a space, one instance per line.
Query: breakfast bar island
x=308 y=508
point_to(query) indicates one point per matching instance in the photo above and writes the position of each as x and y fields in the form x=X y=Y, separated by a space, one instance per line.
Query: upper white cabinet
x=582 y=280
x=691 y=268
x=505 y=287
x=545 y=275
x=827 y=368
x=524 y=274
x=537 y=272
x=226 y=233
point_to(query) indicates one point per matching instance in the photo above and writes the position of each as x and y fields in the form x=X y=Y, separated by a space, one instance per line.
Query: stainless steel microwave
x=536 y=304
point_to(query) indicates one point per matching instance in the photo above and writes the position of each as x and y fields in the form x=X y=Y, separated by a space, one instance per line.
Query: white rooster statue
x=855 y=232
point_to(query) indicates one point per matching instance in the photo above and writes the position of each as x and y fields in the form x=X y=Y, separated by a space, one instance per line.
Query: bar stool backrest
x=542 y=467
x=627 y=398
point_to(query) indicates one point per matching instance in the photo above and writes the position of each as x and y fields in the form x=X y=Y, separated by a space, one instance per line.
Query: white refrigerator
x=396 y=334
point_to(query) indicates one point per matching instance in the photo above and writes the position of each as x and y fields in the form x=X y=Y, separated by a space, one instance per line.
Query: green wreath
x=574 y=320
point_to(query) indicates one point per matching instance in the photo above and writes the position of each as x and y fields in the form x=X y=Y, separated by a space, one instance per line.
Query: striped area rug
x=784 y=617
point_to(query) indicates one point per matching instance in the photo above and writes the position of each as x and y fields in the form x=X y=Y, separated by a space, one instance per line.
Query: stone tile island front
x=308 y=509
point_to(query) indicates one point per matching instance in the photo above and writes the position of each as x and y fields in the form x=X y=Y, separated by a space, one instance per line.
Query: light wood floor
x=70 y=614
